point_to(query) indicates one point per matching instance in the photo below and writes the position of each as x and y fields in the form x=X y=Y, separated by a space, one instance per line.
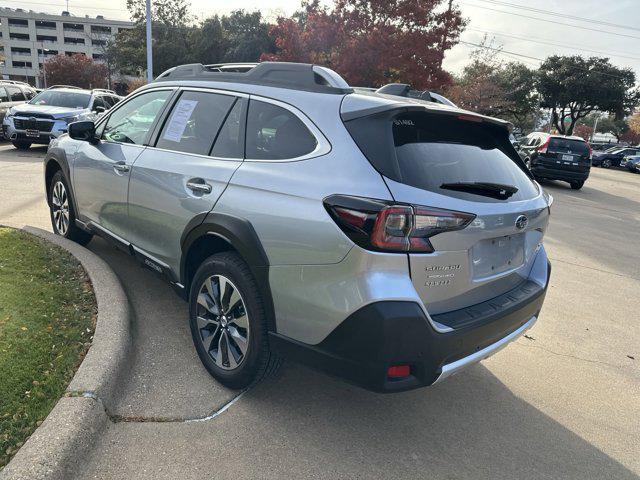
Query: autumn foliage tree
x=77 y=70
x=373 y=42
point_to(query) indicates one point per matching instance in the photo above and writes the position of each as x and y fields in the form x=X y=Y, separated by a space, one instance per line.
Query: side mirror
x=99 y=109
x=84 y=130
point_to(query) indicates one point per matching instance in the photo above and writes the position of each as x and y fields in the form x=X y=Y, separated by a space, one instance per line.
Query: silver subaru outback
x=387 y=240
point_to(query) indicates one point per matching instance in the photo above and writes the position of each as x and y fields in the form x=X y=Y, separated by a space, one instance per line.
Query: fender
x=59 y=157
x=240 y=234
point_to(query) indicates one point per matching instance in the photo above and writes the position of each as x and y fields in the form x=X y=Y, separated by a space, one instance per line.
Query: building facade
x=28 y=38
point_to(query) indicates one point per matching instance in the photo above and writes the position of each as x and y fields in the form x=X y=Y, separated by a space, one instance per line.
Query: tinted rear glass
x=565 y=145
x=426 y=151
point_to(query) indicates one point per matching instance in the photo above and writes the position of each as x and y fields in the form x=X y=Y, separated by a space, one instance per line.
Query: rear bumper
x=389 y=333
x=540 y=171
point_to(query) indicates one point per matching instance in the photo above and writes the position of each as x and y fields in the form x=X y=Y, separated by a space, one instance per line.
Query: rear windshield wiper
x=493 y=190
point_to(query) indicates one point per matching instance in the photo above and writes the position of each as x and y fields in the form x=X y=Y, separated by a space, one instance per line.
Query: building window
x=21 y=64
x=46 y=38
x=46 y=25
x=99 y=43
x=71 y=54
x=98 y=56
x=74 y=27
x=100 y=29
x=18 y=22
x=74 y=41
x=18 y=36
x=47 y=52
x=20 y=51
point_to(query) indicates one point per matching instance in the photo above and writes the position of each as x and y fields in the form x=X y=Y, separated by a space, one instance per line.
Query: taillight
x=386 y=226
x=590 y=150
x=543 y=148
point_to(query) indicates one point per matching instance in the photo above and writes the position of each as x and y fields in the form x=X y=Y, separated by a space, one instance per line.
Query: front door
x=197 y=151
x=101 y=169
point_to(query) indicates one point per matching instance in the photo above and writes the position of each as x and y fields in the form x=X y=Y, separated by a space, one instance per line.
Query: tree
x=170 y=34
x=492 y=87
x=584 y=131
x=209 y=42
x=572 y=87
x=246 y=36
x=373 y=42
x=76 y=70
x=613 y=126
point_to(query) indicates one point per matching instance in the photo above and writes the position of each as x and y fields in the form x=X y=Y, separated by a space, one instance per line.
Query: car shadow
x=470 y=426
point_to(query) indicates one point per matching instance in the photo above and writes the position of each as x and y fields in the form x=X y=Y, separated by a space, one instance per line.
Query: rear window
x=565 y=145
x=428 y=151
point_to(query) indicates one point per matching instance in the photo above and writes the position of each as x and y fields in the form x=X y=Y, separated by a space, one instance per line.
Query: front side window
x=274 y=133
x=57 y=98
x=194 y=122
x=132 y=121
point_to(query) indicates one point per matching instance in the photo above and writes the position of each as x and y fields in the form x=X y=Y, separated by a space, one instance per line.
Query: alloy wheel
x=60 y=208
x=223 y=323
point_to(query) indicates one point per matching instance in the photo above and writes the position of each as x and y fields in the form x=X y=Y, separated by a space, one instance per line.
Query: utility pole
x=595 y=126
x=149 y=52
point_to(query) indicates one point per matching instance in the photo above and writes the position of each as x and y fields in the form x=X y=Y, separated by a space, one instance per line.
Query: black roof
x=295 y=76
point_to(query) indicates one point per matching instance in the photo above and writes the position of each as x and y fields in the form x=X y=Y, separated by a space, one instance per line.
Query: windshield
x=57 y=98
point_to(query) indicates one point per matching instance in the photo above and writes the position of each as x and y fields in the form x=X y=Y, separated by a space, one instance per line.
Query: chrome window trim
x=209 y=157
x=323 y=146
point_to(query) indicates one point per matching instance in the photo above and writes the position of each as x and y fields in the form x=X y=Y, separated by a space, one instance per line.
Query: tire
x=232 y=344
x=606 y=163
x=20 y=145
x=62 y=213
x=576 y=185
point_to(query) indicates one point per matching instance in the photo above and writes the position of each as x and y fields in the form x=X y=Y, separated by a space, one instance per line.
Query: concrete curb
x=52 y=452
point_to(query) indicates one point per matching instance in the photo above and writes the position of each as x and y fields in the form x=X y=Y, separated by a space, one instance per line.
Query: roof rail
x=295 y=76
x=405 y=90
x=53 y=87
x=14 y=82
x=105 y=90
x=231 y=67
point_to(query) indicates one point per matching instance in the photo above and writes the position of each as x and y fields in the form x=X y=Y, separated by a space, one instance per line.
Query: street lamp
x=149 y=54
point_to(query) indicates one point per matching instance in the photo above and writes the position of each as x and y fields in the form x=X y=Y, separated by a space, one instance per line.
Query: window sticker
x=178 y=121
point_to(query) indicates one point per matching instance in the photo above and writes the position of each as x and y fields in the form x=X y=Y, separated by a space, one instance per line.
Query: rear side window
x=230 y=139
x=3 y=95
x=15 y=94
x=194 y=122
x=565 y=145
x=429 y=151
x=274 y=133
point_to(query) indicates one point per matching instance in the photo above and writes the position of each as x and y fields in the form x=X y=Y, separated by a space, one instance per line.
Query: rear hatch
x=568 y=154
x=448 y=159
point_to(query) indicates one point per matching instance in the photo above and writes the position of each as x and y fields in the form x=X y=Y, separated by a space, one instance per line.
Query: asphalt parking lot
x=563 y=402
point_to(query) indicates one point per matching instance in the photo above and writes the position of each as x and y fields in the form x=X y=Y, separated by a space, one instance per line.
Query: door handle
x=198 y=185
x=121 y=167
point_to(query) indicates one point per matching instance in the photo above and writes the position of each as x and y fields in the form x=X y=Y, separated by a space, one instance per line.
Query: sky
x=525 y=30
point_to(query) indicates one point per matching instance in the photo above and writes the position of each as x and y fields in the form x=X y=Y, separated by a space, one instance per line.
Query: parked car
x=557 y=157
x=613 y=158
x=388 y=241
x=632 y=163
x=13 y=93
x=48 y=113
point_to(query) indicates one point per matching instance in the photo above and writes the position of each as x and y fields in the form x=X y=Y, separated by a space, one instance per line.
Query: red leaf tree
x=373 y=42
x=76 y=70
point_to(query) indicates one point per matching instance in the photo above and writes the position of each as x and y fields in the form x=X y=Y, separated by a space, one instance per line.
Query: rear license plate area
x=494 y=256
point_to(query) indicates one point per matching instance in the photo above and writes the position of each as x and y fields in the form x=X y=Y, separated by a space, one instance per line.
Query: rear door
x=430 y=160
x=197 y=149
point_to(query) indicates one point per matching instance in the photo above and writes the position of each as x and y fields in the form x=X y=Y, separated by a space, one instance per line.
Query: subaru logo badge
x=521 y=222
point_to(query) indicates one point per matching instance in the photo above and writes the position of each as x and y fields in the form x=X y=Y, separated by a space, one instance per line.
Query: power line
x=552 y=21
x=499 y=50
x=546 y=42
x=559 y=14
